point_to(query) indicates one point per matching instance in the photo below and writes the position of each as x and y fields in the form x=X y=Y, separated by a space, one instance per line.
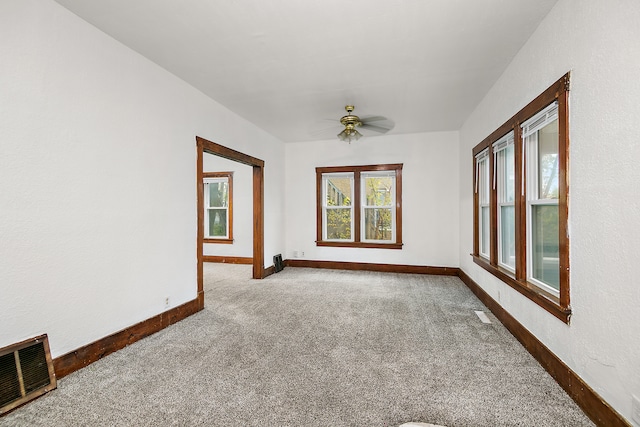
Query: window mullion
x=520 y=208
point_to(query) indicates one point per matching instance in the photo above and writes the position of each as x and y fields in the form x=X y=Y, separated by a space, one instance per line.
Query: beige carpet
x=309 y=347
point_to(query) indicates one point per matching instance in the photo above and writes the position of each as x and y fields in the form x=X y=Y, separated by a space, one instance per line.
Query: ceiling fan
x=368 y=124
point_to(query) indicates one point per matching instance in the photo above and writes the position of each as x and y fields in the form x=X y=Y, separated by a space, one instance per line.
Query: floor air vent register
x=26 y=372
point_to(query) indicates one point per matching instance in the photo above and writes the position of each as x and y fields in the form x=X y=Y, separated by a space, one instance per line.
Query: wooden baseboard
x=600 y=412
x=77 y=359
x=385 y=268
x=268 y=271
x=589 y=401
x=228 y=259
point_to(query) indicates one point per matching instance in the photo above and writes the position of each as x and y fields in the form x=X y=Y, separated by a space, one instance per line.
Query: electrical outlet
x=302 y=254
x=635 y=409
x=166 y=301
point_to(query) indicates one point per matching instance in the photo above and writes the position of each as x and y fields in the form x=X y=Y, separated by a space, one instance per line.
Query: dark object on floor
x=277 y=263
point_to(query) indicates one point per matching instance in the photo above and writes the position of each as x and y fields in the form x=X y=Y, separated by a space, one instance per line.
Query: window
x=540 y=134
x=359 y=206
x=521 y=226
x=218 y=215
x=504 y=179
x=482 y=183
x=337 y=209
x=378 y=206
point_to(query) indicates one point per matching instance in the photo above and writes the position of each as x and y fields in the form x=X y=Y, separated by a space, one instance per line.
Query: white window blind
x=498 y=146
x=481 y=155
x=479 y=158
x=503 y=142
x=540 y=120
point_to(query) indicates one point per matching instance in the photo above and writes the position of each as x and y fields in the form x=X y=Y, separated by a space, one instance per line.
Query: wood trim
x=359 y=168
x=200 y=218
x=318 y=205
x=360 y=245
x=357 y=205
x=220 y=241
x=563 y=196
x=553 y=92
x=86 y=355
x=599 y=411
x=228 y=153
x=269 y=271
x=225 y=174
x=476 y=207
x=228 y=259
x=558 y=306
x=229 y=176
x=205 y=146
x=365 y=266
x=399 y=206
x=258 y=222
x=544 y=300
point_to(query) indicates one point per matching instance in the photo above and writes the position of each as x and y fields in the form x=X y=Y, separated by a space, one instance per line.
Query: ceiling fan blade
x=324 y=126
x=326 y=133
x=372 y=118
x=374 y=128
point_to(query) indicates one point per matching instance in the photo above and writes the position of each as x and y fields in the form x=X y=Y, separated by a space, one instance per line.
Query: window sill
x=360 y=245
x=223 y=241
x=548 y=302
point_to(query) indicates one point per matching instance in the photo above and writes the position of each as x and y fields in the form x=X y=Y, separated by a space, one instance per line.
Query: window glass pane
x=484 y=224
x=378 y=190
x=338 y=224
x=483 y=182
x=338 y=191
x=217 y=222
x=218 y=192
x=508 y=236
x=548 y=161
x=509 y=175
x=377 y=224
x=545 y=245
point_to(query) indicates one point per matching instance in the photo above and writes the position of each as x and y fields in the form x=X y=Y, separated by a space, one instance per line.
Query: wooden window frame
x=357 y=206
x=229 y=176
x=482 y=180
x=559 y=305
x=500 y=184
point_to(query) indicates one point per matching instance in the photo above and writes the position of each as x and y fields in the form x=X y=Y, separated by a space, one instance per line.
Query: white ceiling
x=288 y=65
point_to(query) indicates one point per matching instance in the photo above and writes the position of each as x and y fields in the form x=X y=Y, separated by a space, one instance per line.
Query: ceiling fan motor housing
x=350 y=121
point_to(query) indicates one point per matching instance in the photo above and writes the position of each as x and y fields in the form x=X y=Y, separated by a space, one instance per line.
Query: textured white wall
x=242 y=245
x=429 y=196
x=98 y=179
x=599 y=41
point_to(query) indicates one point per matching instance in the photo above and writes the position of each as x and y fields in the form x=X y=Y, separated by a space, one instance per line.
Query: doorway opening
x=206 y=146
